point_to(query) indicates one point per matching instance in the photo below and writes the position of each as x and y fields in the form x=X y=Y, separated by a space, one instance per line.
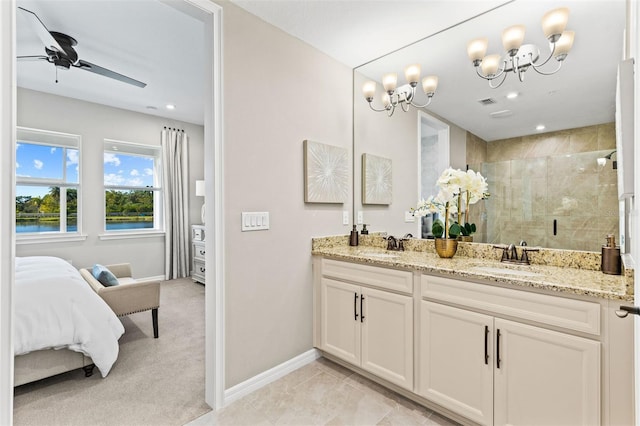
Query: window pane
x=128 y=209
x=39 y=161
x=128 y=170
x=72 y=210
x=73 y=157
x=37 y=209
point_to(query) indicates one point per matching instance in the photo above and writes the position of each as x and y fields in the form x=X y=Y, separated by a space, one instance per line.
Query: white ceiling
x=152 y=41
x=147 y=40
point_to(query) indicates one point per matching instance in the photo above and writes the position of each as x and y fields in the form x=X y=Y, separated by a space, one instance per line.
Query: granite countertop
x=585 y=282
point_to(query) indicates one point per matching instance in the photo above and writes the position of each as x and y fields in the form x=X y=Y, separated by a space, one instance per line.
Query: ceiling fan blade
x=33 y=58
x=41 y=30
x=88 y=66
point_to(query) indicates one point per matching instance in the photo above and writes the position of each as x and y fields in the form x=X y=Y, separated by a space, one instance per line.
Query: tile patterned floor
x=323 y=393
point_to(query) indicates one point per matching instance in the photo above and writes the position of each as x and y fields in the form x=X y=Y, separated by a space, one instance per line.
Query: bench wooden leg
x=154 y=315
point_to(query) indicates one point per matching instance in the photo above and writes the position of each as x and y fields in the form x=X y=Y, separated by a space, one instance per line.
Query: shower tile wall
x=476 y=156
x=537 y=179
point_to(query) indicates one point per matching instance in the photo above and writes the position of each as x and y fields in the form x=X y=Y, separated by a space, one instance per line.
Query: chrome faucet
x=512 y=253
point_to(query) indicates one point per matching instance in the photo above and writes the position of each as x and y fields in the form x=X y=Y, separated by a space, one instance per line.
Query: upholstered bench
x=129 y=295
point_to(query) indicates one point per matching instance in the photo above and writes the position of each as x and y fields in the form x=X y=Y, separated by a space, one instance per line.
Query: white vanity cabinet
x=479 y=352
x=366 y=320
x=501 y=372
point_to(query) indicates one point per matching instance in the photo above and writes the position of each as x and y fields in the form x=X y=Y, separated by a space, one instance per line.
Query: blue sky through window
x=45 y=162
x=128 y=170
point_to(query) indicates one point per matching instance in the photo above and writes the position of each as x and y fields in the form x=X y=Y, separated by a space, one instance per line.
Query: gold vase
x=466 y=238
x=446 y=247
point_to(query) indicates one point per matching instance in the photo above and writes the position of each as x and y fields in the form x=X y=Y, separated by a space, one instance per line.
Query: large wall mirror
x=546 y=185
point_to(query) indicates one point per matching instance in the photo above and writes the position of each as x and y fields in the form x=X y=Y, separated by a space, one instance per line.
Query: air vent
x=487 y=101
x=501 y=114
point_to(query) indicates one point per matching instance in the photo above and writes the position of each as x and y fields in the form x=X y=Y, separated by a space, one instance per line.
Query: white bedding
x=55 y=308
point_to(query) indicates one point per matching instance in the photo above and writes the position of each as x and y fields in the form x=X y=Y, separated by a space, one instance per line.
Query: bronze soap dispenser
x=611 y=262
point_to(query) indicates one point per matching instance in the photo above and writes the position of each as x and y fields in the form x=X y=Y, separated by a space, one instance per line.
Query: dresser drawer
x=198 y=251
x=385 y=278
x=577 y=315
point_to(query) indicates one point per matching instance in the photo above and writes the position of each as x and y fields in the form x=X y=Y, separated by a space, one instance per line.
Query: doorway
x=214 y=298
x=433 y=158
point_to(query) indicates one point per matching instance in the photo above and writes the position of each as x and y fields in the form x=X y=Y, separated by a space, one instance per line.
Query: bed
x=60 y=323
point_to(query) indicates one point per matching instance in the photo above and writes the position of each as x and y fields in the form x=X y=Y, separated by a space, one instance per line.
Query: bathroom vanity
x=480 y=341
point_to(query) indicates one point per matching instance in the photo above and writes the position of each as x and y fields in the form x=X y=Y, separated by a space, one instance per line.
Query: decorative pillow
x=105 y=276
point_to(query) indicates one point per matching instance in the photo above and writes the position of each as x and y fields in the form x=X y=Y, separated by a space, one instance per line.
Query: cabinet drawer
x=390 y=279
x=198 y=251
x=199 y=268
x=197 y=233
x=562 y=312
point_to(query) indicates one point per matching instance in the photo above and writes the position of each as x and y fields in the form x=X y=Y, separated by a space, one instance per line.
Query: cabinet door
x=387 y=336
x=456 y=360
x=545 y=377
x=340 y=329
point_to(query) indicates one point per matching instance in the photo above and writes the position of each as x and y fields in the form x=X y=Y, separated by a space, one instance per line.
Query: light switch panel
x=345 y=217
x=409 y=218
x=255 y=221
x=360 y=217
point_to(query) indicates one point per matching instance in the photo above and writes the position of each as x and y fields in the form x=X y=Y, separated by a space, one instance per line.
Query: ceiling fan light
x=477 y=49
x=512 y=39
x=389 y=82
x=430 y=84
x=554 y=22
x=412 y=74
x=564 y=44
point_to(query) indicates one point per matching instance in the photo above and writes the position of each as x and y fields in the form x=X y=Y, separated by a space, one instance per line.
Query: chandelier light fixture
x=403 y=96
x=520 y=57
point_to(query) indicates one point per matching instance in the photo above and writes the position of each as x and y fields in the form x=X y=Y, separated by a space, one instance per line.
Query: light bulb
x=369 y=90
x=476 y=49
x=389 y=82
x=490 y=65
x=412 y=74
x=429 y=84
x=554 y=22
x=512 y=38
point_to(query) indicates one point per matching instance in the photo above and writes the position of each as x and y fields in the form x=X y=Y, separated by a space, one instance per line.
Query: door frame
x=213 y=153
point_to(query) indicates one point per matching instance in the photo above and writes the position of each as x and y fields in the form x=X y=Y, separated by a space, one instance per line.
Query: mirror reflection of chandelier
x=403 y=96
x=520 y=57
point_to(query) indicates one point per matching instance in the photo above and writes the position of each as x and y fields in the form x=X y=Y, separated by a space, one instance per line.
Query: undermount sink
x=504 y=271
x=378 y=254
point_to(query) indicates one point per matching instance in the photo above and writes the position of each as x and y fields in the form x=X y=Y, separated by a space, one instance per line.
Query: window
x=132 y=187
x=47 y=182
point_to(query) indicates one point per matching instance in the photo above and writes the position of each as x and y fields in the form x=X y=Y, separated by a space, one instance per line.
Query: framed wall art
x=376 y=180
x=326 y=173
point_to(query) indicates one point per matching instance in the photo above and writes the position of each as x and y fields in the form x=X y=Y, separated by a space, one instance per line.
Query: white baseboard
x=256 y=382
x=156 y=278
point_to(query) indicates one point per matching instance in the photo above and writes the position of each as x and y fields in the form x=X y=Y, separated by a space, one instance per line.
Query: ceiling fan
x=60 y=52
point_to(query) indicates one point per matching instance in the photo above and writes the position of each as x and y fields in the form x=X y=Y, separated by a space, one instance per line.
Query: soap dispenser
x=364 y=231
x=611 y=263
x=353 y=238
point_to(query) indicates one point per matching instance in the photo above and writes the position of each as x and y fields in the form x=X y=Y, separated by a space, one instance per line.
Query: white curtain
x=175 y=161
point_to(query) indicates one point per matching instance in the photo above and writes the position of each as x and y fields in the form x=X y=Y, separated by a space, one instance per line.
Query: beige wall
x=536 y=179
x=94 y=123
x=278 y=92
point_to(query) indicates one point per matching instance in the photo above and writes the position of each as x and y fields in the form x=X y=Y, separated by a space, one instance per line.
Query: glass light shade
x=386 y=100
x=476 y=49
x=389 y=82
x=490 y=65
x=429 y=84
x=369 y=89
x=554 y=22
x=512 y=38
x=564 y=43
x=412 y=73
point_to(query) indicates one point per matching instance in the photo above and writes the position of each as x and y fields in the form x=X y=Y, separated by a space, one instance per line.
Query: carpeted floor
x=154 y=382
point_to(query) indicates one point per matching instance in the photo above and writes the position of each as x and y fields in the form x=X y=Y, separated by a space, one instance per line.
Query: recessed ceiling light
x=170 y=106
x=540 y=127
x=512 y=95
